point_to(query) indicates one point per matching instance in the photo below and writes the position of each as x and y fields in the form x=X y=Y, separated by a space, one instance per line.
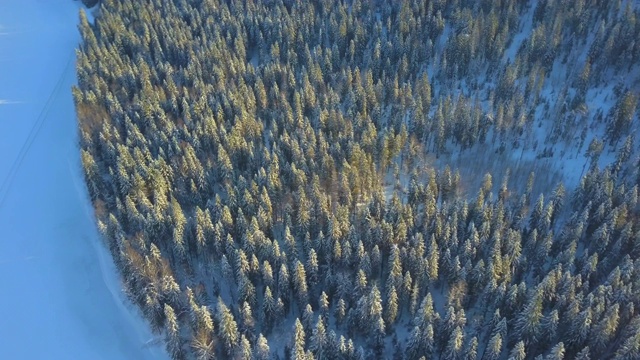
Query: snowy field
x=61 y=297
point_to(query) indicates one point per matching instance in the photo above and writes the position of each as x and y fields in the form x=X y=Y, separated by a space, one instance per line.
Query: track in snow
x=61 y=296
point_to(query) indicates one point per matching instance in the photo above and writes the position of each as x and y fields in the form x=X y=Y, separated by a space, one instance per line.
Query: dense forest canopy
x=353 y=179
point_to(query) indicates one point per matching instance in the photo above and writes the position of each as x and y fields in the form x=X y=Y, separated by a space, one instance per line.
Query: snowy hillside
x=369 y=179
x=61 y=297
x=559 y=125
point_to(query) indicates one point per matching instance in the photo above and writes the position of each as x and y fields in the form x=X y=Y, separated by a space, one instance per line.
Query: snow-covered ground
x=60 y=295
x=552 y=160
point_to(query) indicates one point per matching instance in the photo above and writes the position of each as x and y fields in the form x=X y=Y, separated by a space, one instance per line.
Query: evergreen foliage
x=259 y=171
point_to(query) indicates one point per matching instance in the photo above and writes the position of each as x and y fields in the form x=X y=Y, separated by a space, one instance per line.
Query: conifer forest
x=368 y=179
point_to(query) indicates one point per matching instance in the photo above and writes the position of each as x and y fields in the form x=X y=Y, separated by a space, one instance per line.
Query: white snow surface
x=61 y=296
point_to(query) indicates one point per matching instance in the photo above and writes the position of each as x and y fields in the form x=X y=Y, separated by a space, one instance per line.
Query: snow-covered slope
x=60 y=296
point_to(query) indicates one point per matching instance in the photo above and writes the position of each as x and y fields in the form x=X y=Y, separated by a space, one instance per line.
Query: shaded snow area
x=555 y=143
x=526 y=24
x=61 y=296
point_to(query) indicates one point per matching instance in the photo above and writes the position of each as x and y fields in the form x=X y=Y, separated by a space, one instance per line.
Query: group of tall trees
x=237 y=155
